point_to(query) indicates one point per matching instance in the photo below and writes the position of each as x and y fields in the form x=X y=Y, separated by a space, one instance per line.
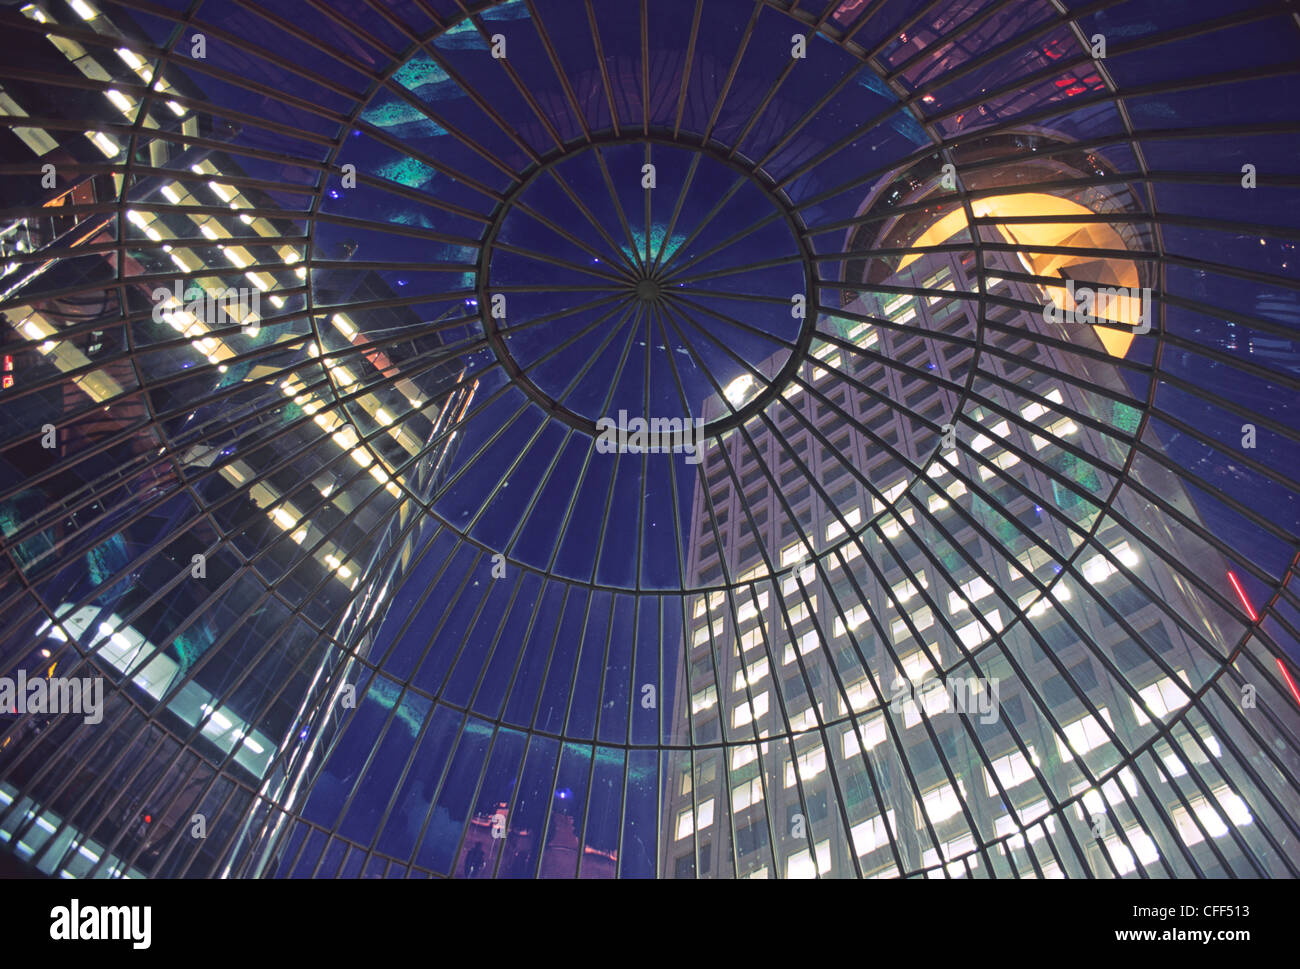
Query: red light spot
x=1241 y=594
x=1077 y=89
x=1289 y=682
x=148 y=819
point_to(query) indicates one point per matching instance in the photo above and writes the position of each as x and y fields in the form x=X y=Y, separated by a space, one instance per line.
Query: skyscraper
x=956 y=656
x=204 y=546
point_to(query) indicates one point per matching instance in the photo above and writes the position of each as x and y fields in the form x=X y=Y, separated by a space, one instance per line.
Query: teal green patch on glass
x=658 y=248
x=385 y=693
x=406 y=171
x=401 y=114
x=1126 y=417
x=419 y=71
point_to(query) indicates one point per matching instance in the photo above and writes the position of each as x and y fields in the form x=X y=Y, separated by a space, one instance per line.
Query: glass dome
x=674 y=438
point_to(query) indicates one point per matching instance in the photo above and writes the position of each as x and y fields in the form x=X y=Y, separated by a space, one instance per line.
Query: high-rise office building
x=940 y=655
x=178 y=521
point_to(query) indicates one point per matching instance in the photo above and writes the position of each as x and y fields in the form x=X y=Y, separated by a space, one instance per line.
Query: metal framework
x=401 y=499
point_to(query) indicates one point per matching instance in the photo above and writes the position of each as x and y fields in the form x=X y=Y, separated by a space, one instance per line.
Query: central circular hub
x=649 y=279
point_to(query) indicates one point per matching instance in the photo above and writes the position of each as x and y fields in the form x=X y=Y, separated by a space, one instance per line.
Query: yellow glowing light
x=1083 y=237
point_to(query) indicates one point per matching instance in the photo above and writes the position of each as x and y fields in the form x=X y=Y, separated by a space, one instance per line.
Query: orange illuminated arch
x=1087 y=237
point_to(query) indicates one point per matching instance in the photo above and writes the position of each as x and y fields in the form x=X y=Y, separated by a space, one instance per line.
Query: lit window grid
x=1109 y=568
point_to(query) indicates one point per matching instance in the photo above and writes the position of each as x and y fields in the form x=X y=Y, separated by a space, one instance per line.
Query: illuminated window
x=1083 y=735
x=1012 y=770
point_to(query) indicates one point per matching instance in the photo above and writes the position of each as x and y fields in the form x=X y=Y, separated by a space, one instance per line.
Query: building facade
x=953 y=659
